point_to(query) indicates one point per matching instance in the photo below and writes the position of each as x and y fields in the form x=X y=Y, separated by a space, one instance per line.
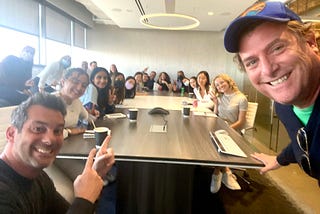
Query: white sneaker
x=230 y=181
x=215 y=182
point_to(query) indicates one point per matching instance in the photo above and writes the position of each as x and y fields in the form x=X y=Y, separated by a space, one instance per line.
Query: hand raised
x=104 y=158
x=89 y=184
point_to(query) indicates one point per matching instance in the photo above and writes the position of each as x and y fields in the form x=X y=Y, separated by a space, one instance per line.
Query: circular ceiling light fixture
x=145 y=20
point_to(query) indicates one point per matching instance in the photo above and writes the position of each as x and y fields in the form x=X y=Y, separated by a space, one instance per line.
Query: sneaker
x=215 y=182
x=230 y=181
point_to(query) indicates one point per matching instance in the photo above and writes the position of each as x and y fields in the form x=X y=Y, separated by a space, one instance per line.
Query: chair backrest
x=251 y=115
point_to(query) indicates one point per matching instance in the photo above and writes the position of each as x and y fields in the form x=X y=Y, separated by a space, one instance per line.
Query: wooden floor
x=300 y=188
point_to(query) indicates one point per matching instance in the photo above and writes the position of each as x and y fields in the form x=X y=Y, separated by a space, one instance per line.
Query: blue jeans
x=108 y=197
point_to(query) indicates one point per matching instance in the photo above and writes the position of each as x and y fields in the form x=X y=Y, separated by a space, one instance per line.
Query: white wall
x=132 y=50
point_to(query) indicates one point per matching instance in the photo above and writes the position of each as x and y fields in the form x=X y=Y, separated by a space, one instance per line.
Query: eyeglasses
x=302 y=140
x=77 y=82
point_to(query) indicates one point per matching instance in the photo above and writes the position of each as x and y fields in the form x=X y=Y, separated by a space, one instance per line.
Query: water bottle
x=182 y=92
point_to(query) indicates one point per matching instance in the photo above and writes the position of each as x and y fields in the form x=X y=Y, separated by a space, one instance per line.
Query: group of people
x=273 y=46
x=146 y=82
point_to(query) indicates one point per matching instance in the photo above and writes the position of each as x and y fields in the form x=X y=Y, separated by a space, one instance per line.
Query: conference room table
x=156 y=156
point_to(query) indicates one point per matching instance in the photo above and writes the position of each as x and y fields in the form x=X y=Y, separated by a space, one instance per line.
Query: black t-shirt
x=22 y=195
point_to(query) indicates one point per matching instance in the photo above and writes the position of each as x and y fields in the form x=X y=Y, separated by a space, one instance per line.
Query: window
x=58 y=27
x=21 y=40
x=63 y=35
x=20 y=15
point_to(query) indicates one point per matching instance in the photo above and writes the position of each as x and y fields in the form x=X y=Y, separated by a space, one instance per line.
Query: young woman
x=98 y=95
x=119 y=88
x=193 y=83
x=181 y=82
x=202 y=90
x=164 y=82
x=51 y=75
x=231 y=105
x=113 y=73
x=130 y=87
x=73 y=85
x=139 y=83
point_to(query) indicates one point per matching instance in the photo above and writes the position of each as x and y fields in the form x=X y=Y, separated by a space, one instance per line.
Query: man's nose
x=268 y=66
x=49 y=137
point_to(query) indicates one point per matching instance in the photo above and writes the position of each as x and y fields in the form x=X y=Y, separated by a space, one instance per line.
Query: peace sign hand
x=104 y=158
x=89 y=184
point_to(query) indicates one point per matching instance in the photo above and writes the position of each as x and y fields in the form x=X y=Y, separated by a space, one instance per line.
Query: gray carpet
x=260 y=196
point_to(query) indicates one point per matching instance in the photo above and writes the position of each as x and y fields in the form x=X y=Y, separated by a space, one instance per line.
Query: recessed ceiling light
x=210 y=13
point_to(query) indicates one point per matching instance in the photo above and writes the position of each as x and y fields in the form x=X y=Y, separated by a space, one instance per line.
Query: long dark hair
x=131 y=93
x=207 y=86
x=103 y=93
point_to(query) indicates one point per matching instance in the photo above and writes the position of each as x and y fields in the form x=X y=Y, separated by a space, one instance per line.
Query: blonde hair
x=226 y=78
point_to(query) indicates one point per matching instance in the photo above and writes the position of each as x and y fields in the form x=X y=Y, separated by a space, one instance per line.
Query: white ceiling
x=126 y=13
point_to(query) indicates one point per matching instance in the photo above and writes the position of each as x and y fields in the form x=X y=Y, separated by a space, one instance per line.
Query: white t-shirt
x=75 y=112
x=204 y=101
x=51 y=74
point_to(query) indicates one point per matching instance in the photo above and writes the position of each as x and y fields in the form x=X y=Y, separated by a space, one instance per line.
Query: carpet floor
x=260 y=196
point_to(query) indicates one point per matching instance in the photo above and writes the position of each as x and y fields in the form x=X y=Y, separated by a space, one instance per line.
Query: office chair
x=250 y=118
x=249 y=125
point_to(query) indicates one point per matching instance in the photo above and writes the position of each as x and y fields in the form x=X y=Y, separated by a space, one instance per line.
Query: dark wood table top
x=187 y=141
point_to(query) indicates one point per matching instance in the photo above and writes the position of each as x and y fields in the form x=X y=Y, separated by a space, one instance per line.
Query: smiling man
x=34 y=138
x=280 y=56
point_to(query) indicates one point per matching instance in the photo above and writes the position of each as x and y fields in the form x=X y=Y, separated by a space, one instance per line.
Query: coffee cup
x=186 y=110
x=133 y=114
x=100 y=134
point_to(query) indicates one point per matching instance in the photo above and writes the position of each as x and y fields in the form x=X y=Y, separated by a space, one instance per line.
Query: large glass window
x=20 y=15
x=56 y=50
x=79 y=35
x=20 y=26
x=14 y=47
x=58 y=27
x=78 y=55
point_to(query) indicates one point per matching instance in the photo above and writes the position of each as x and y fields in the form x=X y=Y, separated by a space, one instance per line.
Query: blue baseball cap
x=269 y=11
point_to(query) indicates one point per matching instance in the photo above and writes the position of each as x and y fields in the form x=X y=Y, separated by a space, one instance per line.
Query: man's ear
x=11 y=133
x=312 y=41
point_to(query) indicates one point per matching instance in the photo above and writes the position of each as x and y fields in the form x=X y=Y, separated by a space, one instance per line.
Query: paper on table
x=115 y=115
x=158 y=128
x=207 y=114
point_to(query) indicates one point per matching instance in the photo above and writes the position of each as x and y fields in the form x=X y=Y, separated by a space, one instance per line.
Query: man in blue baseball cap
x=279 y=53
